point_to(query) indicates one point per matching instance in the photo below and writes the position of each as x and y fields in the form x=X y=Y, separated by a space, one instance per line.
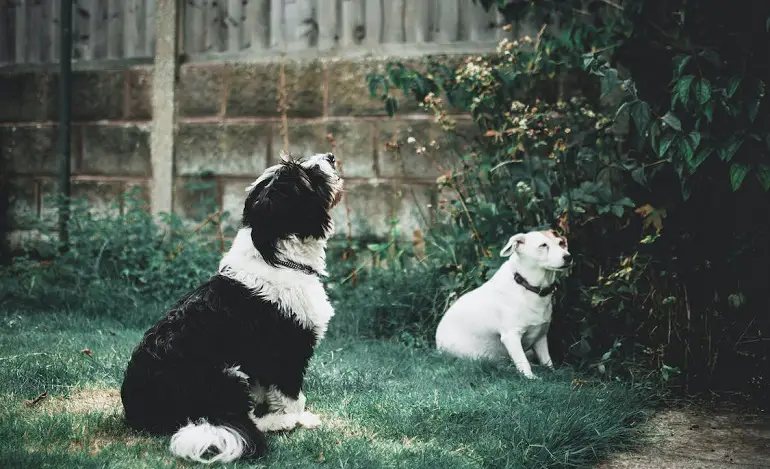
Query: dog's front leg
x=541 y=351
x=512 y=341
x=285 y=412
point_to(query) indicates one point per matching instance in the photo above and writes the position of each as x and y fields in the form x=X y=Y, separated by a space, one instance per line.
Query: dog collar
x=542 y=291
x=296 y=266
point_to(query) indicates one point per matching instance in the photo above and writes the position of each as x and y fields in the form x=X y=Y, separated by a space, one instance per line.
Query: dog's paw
x=309 y=420
x=531 y=376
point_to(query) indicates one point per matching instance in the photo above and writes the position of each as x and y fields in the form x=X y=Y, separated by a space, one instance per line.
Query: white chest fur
x=298 y=295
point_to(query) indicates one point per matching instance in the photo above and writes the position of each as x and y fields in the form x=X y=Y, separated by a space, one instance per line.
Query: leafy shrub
x=121 y=257
x=653 y=284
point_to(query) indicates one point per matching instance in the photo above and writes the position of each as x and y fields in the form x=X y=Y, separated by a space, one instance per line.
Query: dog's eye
x=544 y=245
x=562 y=243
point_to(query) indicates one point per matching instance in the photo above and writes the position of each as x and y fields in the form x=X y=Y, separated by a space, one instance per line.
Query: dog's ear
x=513 y=244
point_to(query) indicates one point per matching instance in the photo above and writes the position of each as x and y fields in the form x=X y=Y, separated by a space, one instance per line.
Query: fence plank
x=215 y=31
x=298 y=24
x=98 y=21
x=352 y=22
x=20 y=13
x=481 y=24
x=34 y=32
x=81 y=29
x=6 y=38
x=328 y=27
x=448 y=21
x=54 y=8
x=277 y=36
x=115 y=13
x=417 y=21
x=133 y=42
x=234 y=25
x=256 y=25
x=148 y=28
x=393 y=27
x=374 y=16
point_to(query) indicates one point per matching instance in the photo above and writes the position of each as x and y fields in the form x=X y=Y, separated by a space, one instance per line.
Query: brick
x=305 y=88
x=355 y=147
x=196 y=198
x=414 y=164
x=140 y=93
x=116 y=150
x=233 y=198
x=26 y=97
x=348 y=90
x=29 y=149
x=414 y=206
x=222 y=149
x=136 y=195
x=248 y=146
x=199 y=148
x=305 y=139
x=101 y=198
x=200 y=91
x=22 y=207
x=253 y=89
x=97 y=95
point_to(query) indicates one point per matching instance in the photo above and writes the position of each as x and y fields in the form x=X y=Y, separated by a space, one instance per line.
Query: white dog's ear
x=512 y=245
x=285 y=156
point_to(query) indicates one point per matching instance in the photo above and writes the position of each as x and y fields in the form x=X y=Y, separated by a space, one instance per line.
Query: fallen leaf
x=321 y=457
x=37 y=400
x=86 y=351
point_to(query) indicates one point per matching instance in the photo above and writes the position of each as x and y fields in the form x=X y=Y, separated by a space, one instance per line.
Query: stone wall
x=229 y=129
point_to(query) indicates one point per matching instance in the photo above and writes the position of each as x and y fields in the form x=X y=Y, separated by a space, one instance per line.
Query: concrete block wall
x=229 y=129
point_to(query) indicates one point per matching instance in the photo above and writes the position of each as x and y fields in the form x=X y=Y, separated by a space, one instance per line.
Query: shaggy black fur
x=298 y=205
x=176 y=373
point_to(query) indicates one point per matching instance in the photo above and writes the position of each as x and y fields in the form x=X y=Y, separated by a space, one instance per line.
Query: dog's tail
x=211 y=441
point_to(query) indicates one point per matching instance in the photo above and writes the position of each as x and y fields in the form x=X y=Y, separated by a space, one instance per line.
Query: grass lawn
x=383 y=405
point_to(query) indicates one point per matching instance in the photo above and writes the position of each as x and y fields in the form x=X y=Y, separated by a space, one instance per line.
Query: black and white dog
x=244 y=337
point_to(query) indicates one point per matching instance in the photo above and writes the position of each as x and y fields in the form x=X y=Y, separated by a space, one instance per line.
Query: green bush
x=112 y=260
x=662 y=217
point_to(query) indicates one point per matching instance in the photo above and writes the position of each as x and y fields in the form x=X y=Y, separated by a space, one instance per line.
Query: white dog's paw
x=309 y=420
x=531 y=375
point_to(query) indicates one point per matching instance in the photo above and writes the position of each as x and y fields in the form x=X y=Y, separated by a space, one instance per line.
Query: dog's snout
x=330 y=158
x=567 y=258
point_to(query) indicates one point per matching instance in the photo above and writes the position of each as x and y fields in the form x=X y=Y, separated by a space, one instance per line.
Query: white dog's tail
x=205 y=443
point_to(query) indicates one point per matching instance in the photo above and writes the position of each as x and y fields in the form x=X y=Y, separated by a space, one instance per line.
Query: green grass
x=384 y=405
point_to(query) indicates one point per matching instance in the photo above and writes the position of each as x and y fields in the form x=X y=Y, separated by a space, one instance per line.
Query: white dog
x=510 y=314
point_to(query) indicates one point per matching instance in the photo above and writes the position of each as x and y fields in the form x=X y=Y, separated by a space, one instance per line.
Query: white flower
x=410 y=140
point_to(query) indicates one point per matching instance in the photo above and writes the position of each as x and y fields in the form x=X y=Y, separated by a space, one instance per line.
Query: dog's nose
x=567 y=258
x=330 y=158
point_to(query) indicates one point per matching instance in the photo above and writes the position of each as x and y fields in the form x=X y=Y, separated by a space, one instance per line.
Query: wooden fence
x=240 y=29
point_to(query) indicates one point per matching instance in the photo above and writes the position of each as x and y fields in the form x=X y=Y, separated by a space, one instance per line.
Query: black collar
x=542 y=291
x=301 y=267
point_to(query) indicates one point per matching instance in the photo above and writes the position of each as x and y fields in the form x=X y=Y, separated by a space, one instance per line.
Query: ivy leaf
x=700 y=156
x=609 y=81
x=727 y=152
x=682 y=90
x=686 y=189
x=391 y=106
x=711 y=56
x=680 y=62
x=738 y=172
x=708 y=111
x=732 y=86
x=641 y=113
x=695 y=139
x=374 y=81
x=686 y=150
x=703 y=91
x=763 y=174
x=622 y=108
x=655 y=134
x=652 y=216
x=672 y=121
x=639 y=176
x=665 y=143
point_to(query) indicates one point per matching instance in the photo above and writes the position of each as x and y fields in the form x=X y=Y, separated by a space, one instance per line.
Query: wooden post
x=163 y=106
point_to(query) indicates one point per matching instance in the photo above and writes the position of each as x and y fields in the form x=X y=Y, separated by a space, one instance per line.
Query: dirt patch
x=693 y=438
x=82 y=401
